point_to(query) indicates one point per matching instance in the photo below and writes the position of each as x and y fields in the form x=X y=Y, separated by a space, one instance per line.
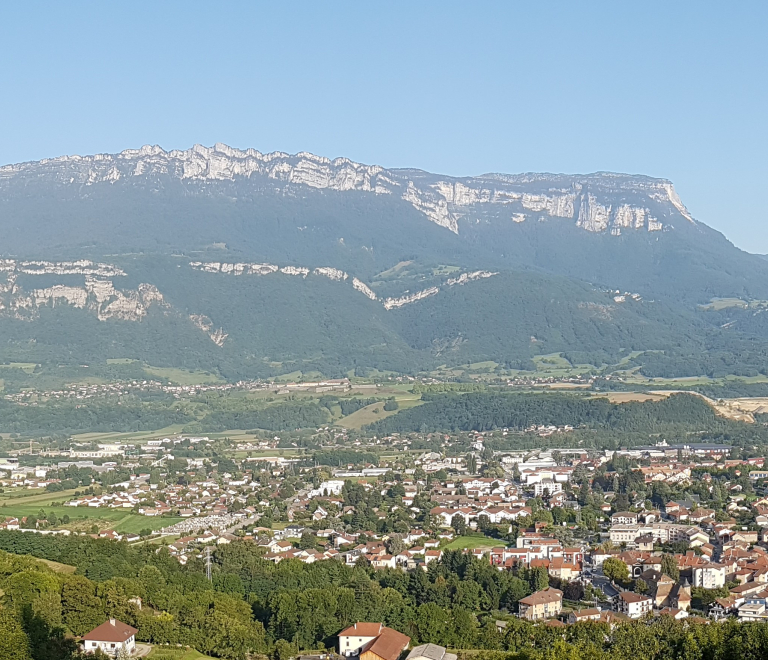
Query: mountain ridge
x=248 y=264
x=442 y=199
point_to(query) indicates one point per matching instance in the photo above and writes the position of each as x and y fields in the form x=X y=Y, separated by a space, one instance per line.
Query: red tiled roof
x=109 y=632
x=362 y=630
x=388 y=645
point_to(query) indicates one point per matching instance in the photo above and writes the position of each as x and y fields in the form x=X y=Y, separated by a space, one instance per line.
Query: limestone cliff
x=600 y=202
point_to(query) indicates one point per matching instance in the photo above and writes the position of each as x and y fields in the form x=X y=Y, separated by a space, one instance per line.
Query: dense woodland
x=677 y=416
x=316 y=324
x=255 y=606
x=484 y=411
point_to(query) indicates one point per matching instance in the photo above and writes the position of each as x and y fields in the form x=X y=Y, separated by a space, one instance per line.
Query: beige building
x=661 y=533
x=541 y=605
x=589 y=614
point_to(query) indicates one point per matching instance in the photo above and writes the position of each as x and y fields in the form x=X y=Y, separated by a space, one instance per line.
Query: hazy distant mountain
x=264 y=263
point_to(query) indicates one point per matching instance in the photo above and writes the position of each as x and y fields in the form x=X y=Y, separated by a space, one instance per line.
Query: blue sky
x=669 y=89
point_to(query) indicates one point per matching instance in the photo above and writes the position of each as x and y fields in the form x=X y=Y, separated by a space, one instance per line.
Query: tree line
x=253 y=606
x=486 y=411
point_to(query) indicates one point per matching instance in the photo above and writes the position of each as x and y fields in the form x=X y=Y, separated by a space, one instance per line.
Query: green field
x=716 y=304
x=30 y=497
x=473 y=542
x=183 y=376
x=135 y=436
x=27 y=367
x=121 y=520
x=56 y=567
x=367 y=415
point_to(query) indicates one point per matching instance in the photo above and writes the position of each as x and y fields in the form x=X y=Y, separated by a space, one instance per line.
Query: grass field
x=255 y=453
x=473 y=542
x=183 y=376
x=135 y=437
x=368 y=415
x=57 y=567
x=27 y=367
x=34 y=496
x=81 y=518
x=716 y=304
x=164 y=653
x=624 y=397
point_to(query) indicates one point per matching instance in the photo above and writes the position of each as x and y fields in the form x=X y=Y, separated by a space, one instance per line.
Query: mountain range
x=248 y=264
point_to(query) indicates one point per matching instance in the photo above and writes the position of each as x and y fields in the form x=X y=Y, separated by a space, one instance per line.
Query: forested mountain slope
x=251 y=264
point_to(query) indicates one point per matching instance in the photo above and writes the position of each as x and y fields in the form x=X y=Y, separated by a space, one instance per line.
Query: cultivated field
x=625 y=397
x=81 y=518
x=375 y=411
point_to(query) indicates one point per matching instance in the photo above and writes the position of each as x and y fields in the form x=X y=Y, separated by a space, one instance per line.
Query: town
x=677 y=530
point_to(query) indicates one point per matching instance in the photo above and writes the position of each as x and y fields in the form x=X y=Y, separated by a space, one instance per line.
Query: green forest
x=255 y=606
x=453 y=411
x=485 y=411
x=316 y=324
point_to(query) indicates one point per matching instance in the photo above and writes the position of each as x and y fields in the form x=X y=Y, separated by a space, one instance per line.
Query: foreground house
x=430 y=652
x=372 y=641
x=111 y=637
x=589 y=614
x=541 y=604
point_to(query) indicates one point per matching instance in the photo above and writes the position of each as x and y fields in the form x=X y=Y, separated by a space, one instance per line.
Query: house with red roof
x=372 y=641
x=111 y=637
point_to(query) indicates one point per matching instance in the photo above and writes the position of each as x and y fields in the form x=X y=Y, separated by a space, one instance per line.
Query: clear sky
x=672 y=89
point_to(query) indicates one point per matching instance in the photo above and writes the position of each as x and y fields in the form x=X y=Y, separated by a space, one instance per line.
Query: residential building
x=372 y=641
x=624 y=518
x=541 y=605
x=111 y=637
x=635 y=606
x=589 y=614
x=709 y=576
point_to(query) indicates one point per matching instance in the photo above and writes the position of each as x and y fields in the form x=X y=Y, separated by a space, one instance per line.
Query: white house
x=357 y=636
x=624 y=518
x=111 y=636
x=635 y=606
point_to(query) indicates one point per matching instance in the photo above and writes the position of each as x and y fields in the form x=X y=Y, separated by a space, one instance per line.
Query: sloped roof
x=362 y=630
x=109 y=632
x=631 y=597
x=430 y=652
x=388 y=645
x=549 y=595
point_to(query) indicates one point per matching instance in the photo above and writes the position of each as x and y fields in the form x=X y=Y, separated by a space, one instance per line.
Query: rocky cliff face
x=89 y=286
x=97 y=294
x=240 y=269
x=601 y=202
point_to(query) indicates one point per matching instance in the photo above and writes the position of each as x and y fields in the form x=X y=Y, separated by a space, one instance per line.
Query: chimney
x=112 y=622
